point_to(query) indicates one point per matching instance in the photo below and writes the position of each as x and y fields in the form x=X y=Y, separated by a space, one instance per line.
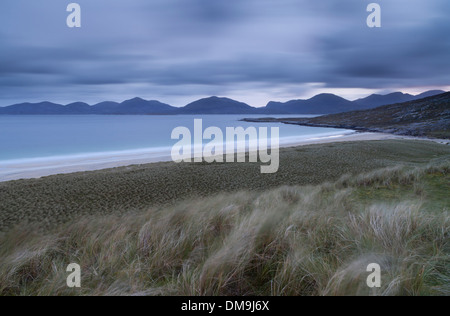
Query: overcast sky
x=177 y=51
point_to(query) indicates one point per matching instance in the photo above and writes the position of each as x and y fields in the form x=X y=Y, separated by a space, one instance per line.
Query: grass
x=52 y=201
x=315 y=239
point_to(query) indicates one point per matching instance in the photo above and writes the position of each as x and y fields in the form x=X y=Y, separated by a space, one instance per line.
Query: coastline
x=42 y=167
x=426 y=118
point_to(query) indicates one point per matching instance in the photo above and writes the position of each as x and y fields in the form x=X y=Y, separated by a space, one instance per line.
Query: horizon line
x=223 y=97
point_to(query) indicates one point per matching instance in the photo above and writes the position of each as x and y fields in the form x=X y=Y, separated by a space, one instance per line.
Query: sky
x=255 y=51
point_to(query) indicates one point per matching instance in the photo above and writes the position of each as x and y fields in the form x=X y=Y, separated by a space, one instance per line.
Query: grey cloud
x=197 y=47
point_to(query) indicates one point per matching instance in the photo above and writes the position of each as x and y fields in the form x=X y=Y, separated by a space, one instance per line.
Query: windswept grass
x=55 y=200
x=294 y=240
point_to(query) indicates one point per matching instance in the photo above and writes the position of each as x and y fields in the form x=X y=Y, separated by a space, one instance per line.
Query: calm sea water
x=25 y=137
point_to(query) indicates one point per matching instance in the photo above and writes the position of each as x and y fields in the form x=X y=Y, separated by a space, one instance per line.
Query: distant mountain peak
x=136 y=99
x=376 y=100
x=430 y=93
x=217 y=105
x=215 y=98
x=326 y=96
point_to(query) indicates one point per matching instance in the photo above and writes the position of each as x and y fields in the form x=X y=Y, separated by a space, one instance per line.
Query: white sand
x=36 y=168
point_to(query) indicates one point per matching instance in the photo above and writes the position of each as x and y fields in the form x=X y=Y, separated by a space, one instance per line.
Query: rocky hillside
x=428 y=117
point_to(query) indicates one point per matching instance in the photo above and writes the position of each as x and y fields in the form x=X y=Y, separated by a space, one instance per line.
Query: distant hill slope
x=376 y=100
x=77 y=108
x=134 y=106
x=320 y=104
x=41 y=108
x=331 y=104
x=139 y=106
x=428 y=117
x=216 y=105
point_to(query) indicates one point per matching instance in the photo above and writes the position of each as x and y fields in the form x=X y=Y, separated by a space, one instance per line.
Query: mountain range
x=426 y=117
x=320 y=104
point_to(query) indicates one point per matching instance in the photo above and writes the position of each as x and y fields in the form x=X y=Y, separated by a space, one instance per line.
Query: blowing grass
x=56 y=200
x=293 y=240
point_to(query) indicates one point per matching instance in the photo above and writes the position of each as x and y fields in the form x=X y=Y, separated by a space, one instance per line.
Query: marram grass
x=296 y=240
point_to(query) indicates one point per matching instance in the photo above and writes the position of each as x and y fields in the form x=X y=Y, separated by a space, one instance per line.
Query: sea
x=26 y=140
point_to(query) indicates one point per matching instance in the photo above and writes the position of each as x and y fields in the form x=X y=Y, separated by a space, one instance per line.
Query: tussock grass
x=56 y=200
x=293 y=240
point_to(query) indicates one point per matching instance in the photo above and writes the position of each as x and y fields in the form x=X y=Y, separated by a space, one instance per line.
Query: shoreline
x=59 y=199
x=43 y=167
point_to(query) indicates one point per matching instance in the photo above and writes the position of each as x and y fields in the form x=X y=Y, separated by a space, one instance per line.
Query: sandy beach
x=166 y=217
x=41 y=167
x=136 y=185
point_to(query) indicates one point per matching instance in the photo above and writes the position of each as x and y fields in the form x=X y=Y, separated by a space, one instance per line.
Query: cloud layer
x=255 y=50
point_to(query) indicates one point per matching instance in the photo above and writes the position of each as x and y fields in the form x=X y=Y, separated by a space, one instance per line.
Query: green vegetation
x=310 y=240
x=310 y=230
x=56 y=200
